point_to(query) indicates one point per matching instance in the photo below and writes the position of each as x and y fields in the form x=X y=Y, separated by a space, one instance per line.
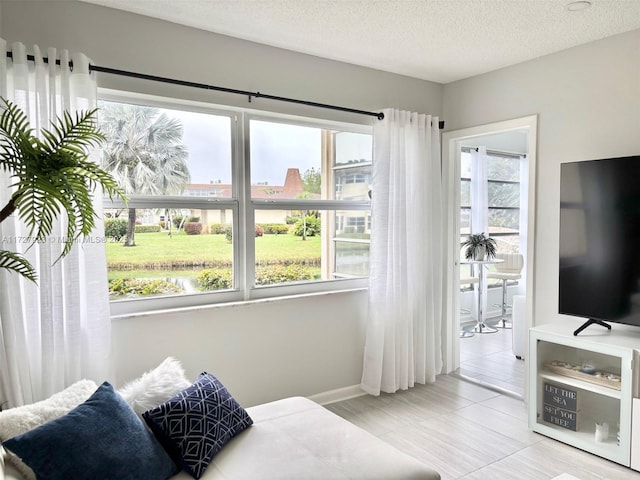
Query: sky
x=275 y=148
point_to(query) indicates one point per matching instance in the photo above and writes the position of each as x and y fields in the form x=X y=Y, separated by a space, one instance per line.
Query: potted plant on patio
x=479 y=247
x=51 y=174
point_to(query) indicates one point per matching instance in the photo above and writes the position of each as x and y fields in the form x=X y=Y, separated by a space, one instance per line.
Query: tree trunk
x=8 y=209
x=304 y=226
x=130 y=241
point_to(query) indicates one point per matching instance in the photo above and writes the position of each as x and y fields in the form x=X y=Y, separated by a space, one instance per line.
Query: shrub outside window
x=225 y=205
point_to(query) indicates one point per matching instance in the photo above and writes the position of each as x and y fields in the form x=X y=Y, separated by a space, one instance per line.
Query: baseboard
x=338 y=395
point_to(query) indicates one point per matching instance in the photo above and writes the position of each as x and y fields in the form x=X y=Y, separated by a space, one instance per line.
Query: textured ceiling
x=437 y=40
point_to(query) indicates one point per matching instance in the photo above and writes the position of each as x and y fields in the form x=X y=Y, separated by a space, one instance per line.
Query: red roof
x=292 y=187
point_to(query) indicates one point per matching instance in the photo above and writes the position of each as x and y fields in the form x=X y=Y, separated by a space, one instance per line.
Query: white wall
x=588 y=103
x=264 y=350
x=261 y=350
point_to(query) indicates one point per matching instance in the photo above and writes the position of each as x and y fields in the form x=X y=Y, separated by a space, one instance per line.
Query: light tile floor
x=468 y=432
x=489 y=358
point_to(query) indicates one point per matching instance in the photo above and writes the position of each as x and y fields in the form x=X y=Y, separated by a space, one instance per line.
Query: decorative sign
x=560 y=397
x=560 y=406
x=562 y=418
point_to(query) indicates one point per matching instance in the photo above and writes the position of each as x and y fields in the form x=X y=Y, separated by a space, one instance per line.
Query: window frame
x=242 y=206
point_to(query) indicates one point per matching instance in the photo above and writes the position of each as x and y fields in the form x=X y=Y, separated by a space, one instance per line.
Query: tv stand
x=591 y=321
x=568 y=402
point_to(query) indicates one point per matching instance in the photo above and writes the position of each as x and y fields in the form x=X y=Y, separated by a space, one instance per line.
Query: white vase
x=479 y=253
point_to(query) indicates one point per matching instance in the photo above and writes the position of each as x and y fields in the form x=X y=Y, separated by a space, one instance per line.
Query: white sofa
x=296 y=438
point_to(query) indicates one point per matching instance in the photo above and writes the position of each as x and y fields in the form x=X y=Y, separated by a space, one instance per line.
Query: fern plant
x=50 y=174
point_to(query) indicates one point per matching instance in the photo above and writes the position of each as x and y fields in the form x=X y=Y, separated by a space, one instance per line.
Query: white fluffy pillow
x=156 y=386
x=16 y=421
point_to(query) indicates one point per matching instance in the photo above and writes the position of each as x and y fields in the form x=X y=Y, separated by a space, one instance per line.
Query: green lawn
x=184 y=252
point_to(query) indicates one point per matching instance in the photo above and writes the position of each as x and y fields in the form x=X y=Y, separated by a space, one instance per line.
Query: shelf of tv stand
x=581 y=384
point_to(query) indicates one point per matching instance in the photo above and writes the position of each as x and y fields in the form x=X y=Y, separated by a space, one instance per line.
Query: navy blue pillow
x=100 y=439
x=194 y=425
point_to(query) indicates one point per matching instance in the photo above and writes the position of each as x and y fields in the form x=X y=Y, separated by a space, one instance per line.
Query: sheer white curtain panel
x=479 y=211
x=404 y=329
x=58 y=331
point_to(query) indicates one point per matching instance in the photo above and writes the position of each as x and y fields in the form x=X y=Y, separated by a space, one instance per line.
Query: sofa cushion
x=101 y=439
x=295 y=438
x=15 y=421
x=155 y=386
x=194 y=425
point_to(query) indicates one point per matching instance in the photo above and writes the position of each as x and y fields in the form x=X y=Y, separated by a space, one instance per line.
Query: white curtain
x=403 y=343
x=479 y=211
x=58 y=331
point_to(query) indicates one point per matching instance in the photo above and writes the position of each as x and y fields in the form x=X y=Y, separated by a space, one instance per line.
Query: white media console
x=584 y=390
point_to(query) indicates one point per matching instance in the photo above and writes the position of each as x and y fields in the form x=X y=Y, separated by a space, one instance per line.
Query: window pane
x=286 y=160
x=353 y=148
x=465 y=165
x=352 y=236
x=353 y=183
x=352 y=225
x=501 y=168
x=465 y=221
x=335 y=244
x=508 y=243
x=465 y=193
x=503 y=194
x=352 y=166
x=503 y=220
x=299 y=162
x=285 y=256
x=173 y=251
x=157 y=151
x=352 y=259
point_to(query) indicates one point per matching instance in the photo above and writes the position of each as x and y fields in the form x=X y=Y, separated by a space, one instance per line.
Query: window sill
x=230 y=304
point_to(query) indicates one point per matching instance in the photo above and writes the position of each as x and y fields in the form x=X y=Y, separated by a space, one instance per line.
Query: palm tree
x=144 y=153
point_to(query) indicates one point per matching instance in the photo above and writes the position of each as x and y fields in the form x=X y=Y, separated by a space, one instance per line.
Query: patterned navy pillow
x=194 y=425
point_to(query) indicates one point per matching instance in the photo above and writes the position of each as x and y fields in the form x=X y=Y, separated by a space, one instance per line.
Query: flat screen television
x=600 y=241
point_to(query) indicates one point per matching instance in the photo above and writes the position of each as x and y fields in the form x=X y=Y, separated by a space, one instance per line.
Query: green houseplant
x=51 y=174
x=479 y=247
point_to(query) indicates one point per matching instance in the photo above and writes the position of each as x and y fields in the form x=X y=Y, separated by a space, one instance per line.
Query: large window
x=228 y=206
x=503 y=188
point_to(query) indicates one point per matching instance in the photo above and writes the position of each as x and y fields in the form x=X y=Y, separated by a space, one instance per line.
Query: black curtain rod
x=495 y=153
x=248 y=94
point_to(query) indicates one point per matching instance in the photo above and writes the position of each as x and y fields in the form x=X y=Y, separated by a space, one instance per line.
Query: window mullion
x=246 y=233
x=327 y=188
